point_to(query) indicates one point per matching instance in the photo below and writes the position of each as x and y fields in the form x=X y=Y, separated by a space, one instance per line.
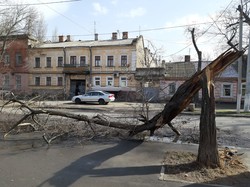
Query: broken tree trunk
x=208 y=150
x=186 y=92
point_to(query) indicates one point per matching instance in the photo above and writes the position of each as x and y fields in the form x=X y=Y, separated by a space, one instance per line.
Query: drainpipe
x=90 y=67
x=64 y=75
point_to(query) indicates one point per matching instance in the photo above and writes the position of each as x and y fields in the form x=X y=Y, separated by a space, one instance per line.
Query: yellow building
x=58 y=68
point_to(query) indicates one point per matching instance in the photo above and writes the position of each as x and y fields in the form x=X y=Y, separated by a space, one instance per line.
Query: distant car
x=101 y=97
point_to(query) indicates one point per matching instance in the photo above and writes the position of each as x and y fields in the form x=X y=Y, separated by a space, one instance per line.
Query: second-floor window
x=124 y=60
x=110 y=61
x=97 y=61
x=59 y=81
x=18 y=82
x=18 y=59
x=82 y=60
x=37 y=81
x=60 y=61
x=73 y=60
x=6 y=59
x=48 y=62
x=48 y=81
x=37 y=62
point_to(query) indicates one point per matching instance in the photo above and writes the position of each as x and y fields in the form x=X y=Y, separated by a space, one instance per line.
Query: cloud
x=98 y=9
x=137 y=12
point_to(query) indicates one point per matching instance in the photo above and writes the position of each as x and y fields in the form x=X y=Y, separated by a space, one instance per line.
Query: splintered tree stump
x=208 y=151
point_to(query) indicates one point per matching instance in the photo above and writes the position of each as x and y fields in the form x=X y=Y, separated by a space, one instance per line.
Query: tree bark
x=208 y=151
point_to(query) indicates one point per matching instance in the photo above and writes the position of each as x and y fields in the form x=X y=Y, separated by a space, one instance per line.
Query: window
x=172 y=88
x=97 y=61
x=37 y=62
x=6 y=82
x=18 y=82
x=59 y=81
x=48 y=81
x=37 y=81
x=110 y=81
x=124 y=60
x=48 y=62
x=82 y=60
x=226 y=90
x=110 y=61
x=243 y=89
x=60 y=61
x=73 y=60
x=18 y=59
x=123 y=81
x=6 y=59
x=97 y=81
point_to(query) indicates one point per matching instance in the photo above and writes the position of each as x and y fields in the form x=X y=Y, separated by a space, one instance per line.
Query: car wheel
x=77 y=101
x=101 y=102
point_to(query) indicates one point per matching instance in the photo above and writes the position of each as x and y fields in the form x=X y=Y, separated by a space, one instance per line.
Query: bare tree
x=19 y=19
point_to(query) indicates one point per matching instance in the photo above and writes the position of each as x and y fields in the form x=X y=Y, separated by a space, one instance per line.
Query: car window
x=95 y=94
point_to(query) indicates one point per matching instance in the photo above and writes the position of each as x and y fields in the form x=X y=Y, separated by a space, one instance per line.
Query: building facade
x=109 y=65
x=14 y=63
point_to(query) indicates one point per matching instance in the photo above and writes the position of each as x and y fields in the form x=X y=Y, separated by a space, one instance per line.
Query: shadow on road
x=86 y=166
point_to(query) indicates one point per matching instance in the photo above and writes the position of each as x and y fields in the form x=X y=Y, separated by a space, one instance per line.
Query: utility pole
x=239 y=94
x=247 y=92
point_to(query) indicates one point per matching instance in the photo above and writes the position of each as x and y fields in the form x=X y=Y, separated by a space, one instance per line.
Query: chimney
x=96 y=36
x=124 y=35
x=68 y=38
x=187 y=58
x=114 y=36
x=60 y=38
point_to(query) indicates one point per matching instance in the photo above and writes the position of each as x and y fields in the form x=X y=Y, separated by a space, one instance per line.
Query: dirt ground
x=182 y=166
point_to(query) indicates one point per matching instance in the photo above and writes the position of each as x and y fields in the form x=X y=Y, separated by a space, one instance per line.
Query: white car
x=94 y=96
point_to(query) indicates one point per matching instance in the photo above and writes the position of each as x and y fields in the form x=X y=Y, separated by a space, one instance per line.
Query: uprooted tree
x=208 y=153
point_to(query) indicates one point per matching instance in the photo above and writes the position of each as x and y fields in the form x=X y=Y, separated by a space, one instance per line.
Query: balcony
x=76 y=69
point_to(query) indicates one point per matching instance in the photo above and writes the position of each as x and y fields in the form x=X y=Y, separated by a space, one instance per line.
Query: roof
x=89 y=43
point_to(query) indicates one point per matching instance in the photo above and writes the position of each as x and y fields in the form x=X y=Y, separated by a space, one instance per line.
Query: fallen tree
x=185 y=93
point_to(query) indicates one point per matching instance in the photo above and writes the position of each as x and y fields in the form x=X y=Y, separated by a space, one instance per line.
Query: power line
x=41 y=3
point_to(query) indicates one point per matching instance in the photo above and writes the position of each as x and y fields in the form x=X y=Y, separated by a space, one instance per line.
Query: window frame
x=37 y=81
x=19 y=59
x=95 y=81
x=121 y=82
x=59 y=82
x=84 y=63
x=37 y=63
x=124 y=63
x=60 y=62
x=223 y=91
x=98 y=61
x=172 y=88
x=6 y=59
x=110 y=61
x=108 y=81
x=48 y=81
x=48 y=62
x=73 y=60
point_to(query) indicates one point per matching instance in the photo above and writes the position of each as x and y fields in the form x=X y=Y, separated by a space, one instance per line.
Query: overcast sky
x=162 y=22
